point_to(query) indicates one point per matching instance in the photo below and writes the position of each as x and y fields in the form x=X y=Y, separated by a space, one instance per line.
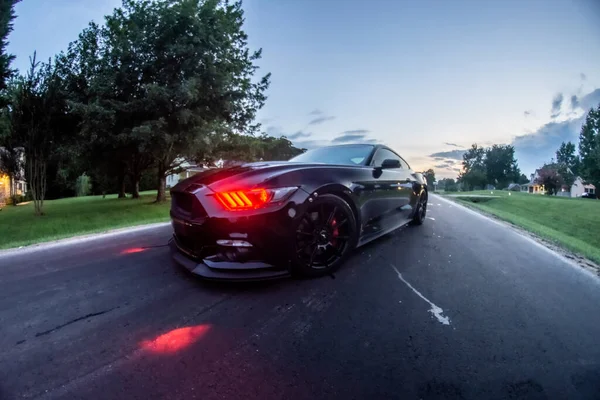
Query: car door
x=395 y=186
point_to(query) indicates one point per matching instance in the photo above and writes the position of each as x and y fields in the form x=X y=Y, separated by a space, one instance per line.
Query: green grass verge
x=568 y=222
x=77 y=216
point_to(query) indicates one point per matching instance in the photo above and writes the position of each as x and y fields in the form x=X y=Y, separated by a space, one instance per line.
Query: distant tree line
x=159 y=82
x=495 y=165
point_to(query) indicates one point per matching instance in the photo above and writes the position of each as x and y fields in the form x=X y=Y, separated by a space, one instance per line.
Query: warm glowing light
x=244 y=199
x=175 y=340
x=132 y=250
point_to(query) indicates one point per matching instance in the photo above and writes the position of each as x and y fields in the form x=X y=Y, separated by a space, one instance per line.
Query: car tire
x=334 y=231
x=421 y=211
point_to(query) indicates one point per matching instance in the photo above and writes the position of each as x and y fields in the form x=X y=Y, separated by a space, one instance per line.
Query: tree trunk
x=11 y=190
x=136 y=187
x=37 y=174
x=122 y=193
x=161 y=195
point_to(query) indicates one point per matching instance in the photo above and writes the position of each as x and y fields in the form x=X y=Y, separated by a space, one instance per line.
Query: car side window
x=385 y=154
x=404 y=164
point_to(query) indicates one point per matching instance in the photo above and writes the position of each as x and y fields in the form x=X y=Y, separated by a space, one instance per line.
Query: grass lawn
x=77 y=216
x=569 y=222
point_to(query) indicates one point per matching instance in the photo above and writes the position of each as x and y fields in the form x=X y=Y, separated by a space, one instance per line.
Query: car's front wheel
x=324 y=236
x=421 y=211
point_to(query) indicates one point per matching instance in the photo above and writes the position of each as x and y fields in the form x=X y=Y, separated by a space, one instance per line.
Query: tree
x=496 y=164
x=550 y=177
x=191 y=75
x=430 y=177
x=523 y=179
x=448 y=185
x=501 y=165
x=589 y=148
x=473 y=172
x=7 y=16
x=38 y=115
x=566 y=156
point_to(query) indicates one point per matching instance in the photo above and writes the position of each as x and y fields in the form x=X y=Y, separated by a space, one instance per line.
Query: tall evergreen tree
x=589 y=147
x=566 y=155
x=7 y=16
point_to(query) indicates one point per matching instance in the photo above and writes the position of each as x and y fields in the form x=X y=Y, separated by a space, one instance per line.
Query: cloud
x=440 y=166
x=556 y=105
x=532 y=150
x=590 y=100
x=356 y=132
x=452 y=154
x=311 y=144
x=320 y=120
x=583 y=76
x=574 y=102
x=349 y=138
x=299 y=135
x=527 y=113
x=452 y=144
x=315 y=112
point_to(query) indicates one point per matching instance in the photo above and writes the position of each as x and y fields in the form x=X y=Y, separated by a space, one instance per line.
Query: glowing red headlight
x=252 y=198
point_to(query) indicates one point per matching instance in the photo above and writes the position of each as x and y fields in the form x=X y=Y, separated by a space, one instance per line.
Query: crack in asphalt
x=75 y=320
x=67 y=386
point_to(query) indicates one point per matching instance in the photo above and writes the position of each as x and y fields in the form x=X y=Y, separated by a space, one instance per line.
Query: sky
x=428 y=78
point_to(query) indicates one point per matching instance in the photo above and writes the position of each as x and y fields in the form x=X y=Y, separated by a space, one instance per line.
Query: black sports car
x=303 y=216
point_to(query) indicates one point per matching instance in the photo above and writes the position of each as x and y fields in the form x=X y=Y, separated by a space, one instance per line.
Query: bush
x=16 y=199
x=83 y=186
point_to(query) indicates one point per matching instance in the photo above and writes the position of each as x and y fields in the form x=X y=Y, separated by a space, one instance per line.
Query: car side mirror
x=390 y=163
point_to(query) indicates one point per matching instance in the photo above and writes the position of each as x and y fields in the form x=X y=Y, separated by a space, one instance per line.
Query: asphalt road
x=459 y=308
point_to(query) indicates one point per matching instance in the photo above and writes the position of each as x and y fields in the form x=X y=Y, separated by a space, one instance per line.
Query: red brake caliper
x=335 y=232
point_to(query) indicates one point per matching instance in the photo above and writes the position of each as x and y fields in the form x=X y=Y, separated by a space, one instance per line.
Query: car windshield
x=340 y=155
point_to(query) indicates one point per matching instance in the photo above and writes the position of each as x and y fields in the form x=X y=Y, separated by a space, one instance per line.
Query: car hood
x=245 y=172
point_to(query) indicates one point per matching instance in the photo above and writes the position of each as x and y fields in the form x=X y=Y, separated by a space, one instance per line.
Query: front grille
x=188 y=204
x=191 y=245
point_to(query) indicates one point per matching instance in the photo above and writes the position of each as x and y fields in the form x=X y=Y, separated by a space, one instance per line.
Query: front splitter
x=230 y=271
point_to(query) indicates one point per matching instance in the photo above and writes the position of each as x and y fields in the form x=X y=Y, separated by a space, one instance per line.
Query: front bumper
x=212 y=269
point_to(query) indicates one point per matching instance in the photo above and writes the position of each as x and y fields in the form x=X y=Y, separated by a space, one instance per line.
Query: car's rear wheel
x=324 y=236
x=421 y=211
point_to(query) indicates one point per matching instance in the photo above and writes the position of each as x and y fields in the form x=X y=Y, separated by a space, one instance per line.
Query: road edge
x=563 y=252
x=81 y=239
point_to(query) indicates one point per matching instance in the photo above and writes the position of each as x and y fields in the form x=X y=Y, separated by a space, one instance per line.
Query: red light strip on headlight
x=244 y=199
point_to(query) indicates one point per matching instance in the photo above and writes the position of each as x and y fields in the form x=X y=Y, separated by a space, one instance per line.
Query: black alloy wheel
x=421 y=211
x=325 y=235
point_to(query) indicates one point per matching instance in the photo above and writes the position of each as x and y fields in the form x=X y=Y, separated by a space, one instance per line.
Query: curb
x=81 y=239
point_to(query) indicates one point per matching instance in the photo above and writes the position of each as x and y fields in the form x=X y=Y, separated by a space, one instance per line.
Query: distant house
x=189 y=169
x=19 y=187
x=579 y=187
x=576 y=190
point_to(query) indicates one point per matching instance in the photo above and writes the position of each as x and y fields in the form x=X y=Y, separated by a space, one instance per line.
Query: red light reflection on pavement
x=175 y=340
x=132 y=250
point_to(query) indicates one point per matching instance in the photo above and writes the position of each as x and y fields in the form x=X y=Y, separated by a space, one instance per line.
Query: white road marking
x=435 y=310
x=431 y=218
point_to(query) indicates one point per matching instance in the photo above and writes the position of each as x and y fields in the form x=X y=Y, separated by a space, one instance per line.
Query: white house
x=576 y=190
x=19 y=186
x=579 y=187
x=189 y=169
x=532 y=187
